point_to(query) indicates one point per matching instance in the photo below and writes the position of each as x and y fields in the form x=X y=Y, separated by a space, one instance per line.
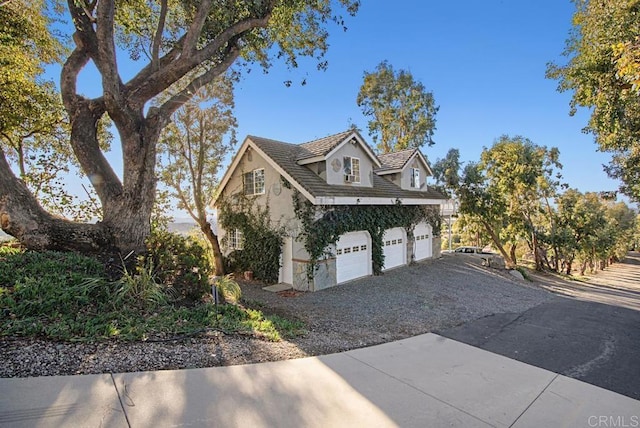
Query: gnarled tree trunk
x=22 y=217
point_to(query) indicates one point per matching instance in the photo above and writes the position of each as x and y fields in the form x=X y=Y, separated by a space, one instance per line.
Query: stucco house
x=332 y=173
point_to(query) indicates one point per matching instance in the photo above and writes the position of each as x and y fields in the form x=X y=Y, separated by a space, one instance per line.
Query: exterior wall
x=276 y=195
x=335 y=171
x=405 y=181
x=323 y=277
x=279 y=199
x=437 y=247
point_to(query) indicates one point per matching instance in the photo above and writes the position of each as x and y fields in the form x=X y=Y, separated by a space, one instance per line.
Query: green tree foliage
x=579 y=219
x=446 y=172
x=402 y=112
x=26 y=46
x=504 y=191
x=592 y=230
x=513 y=196
x=181 y=46
x=602 y=73
x=193 y=147
x=523 y=174
x=34 y=129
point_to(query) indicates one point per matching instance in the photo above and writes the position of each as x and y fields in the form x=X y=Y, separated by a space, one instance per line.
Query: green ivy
x=323 y=225
x=262 y=241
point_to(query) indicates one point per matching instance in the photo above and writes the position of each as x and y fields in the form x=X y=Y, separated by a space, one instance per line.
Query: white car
x=470 y=250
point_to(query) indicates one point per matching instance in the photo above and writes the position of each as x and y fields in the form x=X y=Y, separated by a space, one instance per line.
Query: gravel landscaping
x=428 y=296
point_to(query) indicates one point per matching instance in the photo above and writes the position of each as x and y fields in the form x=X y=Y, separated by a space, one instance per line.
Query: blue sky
x=484 y=62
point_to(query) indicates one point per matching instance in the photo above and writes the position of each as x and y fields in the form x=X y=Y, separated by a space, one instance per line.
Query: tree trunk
x=556 y=258
x=126 y=206
x=215 y=247
x=509 y=262
x=23 y=218
x=512 y=251
x=536 y=252
x=569 y=263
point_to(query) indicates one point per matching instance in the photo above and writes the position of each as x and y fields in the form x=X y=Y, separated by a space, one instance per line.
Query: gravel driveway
x=407 y=301
x=431 y=295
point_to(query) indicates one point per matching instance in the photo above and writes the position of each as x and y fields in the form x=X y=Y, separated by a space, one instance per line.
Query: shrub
x=228 y=288
x=180 y=263
x=141 y=290
x=66 y=296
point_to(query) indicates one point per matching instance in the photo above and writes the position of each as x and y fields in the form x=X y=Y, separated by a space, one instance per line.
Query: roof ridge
x=327 y=137
x=271 y=140
x=399 y=151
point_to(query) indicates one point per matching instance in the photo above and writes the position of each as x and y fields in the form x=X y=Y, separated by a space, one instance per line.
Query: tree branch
x=106 y=58
x=84 y=140
x=157 y=39
x=178 y=100
x=193 y=34
x=231 y=33
x=149 y=83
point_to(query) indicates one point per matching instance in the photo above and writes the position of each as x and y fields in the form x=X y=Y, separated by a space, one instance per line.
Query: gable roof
x=322 y=146
x=321 y=149
x=285 y=157
x=397 y=161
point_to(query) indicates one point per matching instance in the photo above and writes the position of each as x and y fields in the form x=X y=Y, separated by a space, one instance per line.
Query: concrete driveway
x=575 y=336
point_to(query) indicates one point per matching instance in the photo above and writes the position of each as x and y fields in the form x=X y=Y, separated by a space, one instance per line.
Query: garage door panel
x=394 y=248
x=353 y=256
x=423 y=236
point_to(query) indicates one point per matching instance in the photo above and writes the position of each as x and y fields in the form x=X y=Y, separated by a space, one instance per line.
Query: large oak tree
x=187 y=44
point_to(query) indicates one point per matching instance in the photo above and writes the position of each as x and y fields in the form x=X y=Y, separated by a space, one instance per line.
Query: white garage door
x=394 y=248
x=353 y=256
x=423 y=237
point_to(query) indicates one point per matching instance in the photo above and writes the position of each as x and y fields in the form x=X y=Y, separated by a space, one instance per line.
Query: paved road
x=574 y=336
x=617 y=285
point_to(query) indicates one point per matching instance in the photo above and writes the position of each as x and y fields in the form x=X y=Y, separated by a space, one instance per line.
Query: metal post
x=449 y=231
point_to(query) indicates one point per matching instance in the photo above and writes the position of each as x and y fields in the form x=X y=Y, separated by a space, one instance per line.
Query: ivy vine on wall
x=323 y=225
x=262 y=244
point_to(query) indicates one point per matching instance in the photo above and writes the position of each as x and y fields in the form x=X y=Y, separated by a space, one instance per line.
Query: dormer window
x=254 y=182
x=415 y=178
x=351 y=169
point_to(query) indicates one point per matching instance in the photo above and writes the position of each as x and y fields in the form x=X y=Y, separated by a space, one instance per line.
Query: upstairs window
x=236 y=240
x=415 y=178
x=254 y=182
x=351 y=169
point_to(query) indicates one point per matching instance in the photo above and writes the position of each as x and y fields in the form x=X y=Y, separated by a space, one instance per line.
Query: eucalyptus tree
x=192 y=148
x=579 y=217
x=524 y=174
x=481 y=203
x=402 y=112
x=177 y=44
x=603 y=73
x=446 y=172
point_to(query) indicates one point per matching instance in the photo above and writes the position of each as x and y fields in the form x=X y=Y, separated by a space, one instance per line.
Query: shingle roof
x=286 y=156
x=321 y=146
x=396 y=160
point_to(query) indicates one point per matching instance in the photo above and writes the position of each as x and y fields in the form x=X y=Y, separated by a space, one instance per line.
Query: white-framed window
x=254 y=182
x=236 y=240
x=415 y=178
x=351 y=169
